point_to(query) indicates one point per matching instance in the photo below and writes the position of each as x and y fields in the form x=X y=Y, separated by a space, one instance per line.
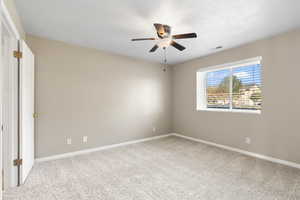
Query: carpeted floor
x=166 y=169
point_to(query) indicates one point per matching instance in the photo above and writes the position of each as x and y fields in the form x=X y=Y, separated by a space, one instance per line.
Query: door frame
x=1 y=98
x=13 y=176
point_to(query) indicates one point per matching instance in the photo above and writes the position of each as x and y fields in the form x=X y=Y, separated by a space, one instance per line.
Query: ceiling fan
x=165 y=38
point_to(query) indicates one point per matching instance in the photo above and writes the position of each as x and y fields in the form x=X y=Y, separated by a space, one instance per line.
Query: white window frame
x=201 y=85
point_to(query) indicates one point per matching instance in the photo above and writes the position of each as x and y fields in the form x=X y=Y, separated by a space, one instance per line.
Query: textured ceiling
x=109 y=25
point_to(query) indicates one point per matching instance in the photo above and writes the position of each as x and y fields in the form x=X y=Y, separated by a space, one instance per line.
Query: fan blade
x=177 y=46
x=167 y=30
x=185 y=36
x=159 y=29
x=154 y=48
x=141 y=39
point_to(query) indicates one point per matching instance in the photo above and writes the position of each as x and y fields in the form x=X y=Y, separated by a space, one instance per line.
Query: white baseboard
x=248 y=153
x=86 y=151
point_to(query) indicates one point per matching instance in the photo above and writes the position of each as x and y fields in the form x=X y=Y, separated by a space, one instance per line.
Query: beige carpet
x=166 y=169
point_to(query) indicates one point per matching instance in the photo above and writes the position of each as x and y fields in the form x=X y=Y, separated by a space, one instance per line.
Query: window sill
x=230 y=111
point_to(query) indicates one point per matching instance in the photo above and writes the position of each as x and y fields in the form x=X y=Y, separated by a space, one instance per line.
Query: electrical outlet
x=69 y=141
x=154 y=129
x=85 y=139
x=248 y=140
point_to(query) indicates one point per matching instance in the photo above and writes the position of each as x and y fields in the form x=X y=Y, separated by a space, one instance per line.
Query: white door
x=1 y=85
x=9 y=105
x=26 y=111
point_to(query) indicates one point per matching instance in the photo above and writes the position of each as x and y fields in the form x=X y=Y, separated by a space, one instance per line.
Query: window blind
x=231 y=87
x=246 y=87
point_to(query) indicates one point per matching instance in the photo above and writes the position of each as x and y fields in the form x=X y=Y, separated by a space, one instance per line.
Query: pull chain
x=165 y=60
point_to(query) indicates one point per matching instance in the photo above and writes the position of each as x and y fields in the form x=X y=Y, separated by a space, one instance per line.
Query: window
x=234 y=87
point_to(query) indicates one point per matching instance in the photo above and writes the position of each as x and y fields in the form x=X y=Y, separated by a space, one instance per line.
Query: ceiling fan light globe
x=165 y=42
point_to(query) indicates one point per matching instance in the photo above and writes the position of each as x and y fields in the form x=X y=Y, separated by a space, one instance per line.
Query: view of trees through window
x=236 y=88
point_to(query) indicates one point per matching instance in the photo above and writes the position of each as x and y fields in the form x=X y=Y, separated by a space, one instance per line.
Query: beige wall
x=276 y=132
x=85 y=92
x=113 y=99
x=11 y=7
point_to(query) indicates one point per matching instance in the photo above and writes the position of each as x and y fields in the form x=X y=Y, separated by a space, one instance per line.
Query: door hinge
x=35 y=115
x=2 y=128
x=18 y=162
x=18 y=54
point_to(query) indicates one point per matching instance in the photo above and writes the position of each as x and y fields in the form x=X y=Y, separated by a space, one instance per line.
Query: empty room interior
x=150 y=100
